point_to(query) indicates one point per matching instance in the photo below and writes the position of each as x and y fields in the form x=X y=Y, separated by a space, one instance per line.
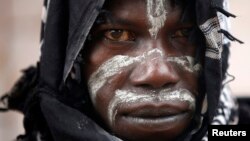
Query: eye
x=119 y=35
x=184 y=32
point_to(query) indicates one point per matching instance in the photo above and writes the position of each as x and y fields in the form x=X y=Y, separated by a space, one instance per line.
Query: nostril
x=150 y=87
x=143 y=85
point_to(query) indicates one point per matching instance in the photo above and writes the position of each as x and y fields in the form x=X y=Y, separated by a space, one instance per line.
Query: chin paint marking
x=156 y=13
x=123 y=97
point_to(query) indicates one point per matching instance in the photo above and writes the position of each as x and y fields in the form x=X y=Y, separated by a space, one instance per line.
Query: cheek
x=102 y=84
x=105 y=96
x=190 y=82
x=186 y=64
x=112 y=67
x=107 y=91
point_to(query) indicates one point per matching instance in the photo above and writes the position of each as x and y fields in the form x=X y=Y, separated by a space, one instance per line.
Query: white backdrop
x=240 y=54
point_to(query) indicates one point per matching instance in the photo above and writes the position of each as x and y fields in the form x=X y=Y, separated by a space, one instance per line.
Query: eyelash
x=119 y=35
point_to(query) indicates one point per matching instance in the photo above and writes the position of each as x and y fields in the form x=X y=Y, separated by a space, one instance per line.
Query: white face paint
x=114 y=65
x=123 y=97
x=187 y=62
x=156 y=13
x=204 y=105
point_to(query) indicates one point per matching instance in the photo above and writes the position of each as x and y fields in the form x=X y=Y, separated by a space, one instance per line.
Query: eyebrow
x=106 y=17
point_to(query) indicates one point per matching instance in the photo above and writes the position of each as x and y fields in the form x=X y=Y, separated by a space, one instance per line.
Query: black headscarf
x=57 y=107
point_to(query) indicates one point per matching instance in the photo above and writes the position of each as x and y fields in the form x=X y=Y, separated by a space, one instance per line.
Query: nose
x=155 y=73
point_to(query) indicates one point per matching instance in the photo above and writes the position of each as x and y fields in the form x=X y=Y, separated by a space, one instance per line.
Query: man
x=144 y=70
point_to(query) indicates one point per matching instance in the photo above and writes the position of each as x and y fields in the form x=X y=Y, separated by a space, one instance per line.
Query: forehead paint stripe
x=156 y=14
x=117 y=63
x=123 y=97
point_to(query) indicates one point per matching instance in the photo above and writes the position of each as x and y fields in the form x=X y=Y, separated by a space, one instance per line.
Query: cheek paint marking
x=123 y=97
x=114 y=66
x=156 y=14
x=106 y=70
x=186 y=62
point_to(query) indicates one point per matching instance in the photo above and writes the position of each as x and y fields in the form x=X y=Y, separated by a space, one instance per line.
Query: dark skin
x=126 y=32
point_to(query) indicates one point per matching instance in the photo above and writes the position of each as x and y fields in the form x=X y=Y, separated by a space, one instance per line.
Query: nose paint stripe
x=126 y=97
x=115 y=65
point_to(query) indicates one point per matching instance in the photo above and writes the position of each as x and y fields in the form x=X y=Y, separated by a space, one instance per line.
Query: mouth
x=157 y=117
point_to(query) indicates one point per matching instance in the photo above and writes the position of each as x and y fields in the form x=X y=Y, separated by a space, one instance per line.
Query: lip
x=156 y=116
x=157 y=123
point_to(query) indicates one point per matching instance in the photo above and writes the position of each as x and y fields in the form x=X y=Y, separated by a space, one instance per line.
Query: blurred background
x=19 y=48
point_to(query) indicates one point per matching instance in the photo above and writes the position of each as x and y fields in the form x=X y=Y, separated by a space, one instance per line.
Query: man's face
x=140 y=70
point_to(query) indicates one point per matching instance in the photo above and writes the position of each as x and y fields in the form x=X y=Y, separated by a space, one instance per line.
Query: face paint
x=204 y=106
x=117 y=63
x=187 y=62
x=123 y=97
x=156 y=13
x=112 y=67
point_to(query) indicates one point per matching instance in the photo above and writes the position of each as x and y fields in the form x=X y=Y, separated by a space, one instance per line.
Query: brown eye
x=119 y=35
x=182 y=33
